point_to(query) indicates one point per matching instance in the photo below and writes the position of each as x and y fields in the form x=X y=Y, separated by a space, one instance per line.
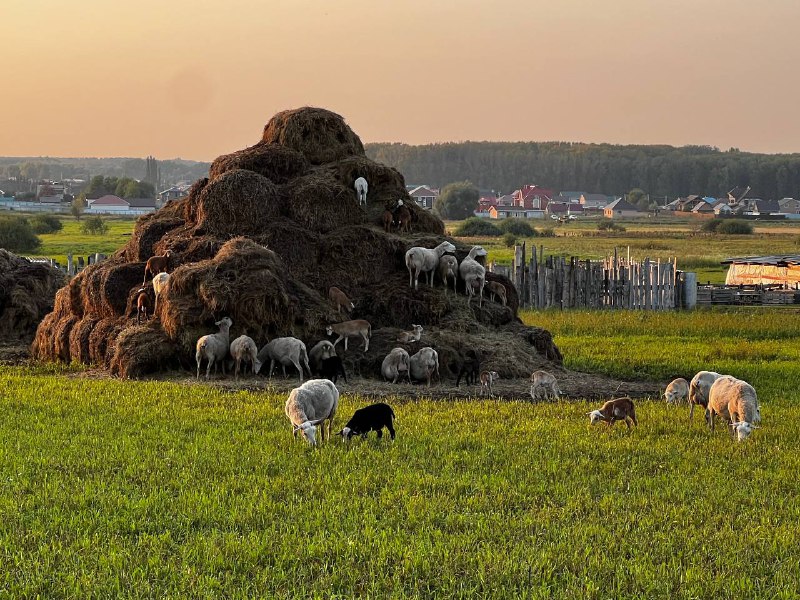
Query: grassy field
x=71 y=240
x=144 y=489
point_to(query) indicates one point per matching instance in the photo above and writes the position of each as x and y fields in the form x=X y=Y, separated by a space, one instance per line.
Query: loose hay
x=277 y=163
x=319 y=202
x=79 y=340
x=140 y=350
x=237 y=202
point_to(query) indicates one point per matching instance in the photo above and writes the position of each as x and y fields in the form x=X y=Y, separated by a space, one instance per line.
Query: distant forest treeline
x=664 y=171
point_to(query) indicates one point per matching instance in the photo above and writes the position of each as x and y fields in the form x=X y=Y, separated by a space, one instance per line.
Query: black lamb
x=470 y=368
x=331 y=368
x=370 y=418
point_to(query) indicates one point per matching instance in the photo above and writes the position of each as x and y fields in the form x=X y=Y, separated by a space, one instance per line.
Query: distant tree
x=477 y=227
x=94 y=226
x=46 y=224
x=457 y=200
x=17 y=235
x=77 y=207
x=735 y=226
x=509 y=239
x=518 y=227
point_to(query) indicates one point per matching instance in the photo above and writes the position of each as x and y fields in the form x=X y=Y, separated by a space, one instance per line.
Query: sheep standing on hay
x=311 y=404
x=473 y=273
x=395 y=364
x=677 y=390
x=699 y=388
x=285 y=351
x=388 y=220
x=159 y=283
x=214 y=347
x=361 y=190
x=351 y=328
x=544 y=384
x=244 y=349
x=319 y=352
x=424 y=260
x=142 y=305
x=402 y=216
x=497 y=290
x=424 y=364
x=340 y=300
x=448 y=267
x=157 y=264
x=736 y=402
x=618 y=409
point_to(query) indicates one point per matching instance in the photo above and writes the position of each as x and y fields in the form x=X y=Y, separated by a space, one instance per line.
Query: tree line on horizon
x=662 y=171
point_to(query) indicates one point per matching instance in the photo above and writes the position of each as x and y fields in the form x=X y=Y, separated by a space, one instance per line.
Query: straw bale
x=279 y=164
x=238 y=202
x=319 y=202
x=61 y=331
x=320 y=135
x=142 y=349
x=79 y=340
x=43 y=347
x=103 y=333
x=148 y=231
x=119 y=282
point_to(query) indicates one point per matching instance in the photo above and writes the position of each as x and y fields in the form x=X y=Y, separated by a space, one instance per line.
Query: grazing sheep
x=470 y=368
x=424 y=260
x=473 y=273
x=677 y=390
x=735 y=401
x=698 y=389
x=286 y=351
x=159 y=283
x=157 y=264
x=310 y=405
x=448 y=267
x=214 y=347
x=406 y=337
x=244 y=349
x=370 y=418
x=618 y=409
x=142 y=305
x=340 y=300
x=331 y=368
x=544 y=384
x=351 y=328
x=424 y=364
x=361 y=190
x=487 y=379
x=497 y=290
x=742 y=429
x=318 y=353
x=395 y=364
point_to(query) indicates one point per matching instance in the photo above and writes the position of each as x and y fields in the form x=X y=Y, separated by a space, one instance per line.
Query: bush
x=610 y=226
x=94 y=226
x=509 y=239
x=17 y=235
x=477 y=227
x=735 y=227
x=46 y=224
x=547 y=232
x=711 y=226
x=518 y=227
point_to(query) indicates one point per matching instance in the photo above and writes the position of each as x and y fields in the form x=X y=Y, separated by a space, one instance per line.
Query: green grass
x=71 y=240
x=148 y=489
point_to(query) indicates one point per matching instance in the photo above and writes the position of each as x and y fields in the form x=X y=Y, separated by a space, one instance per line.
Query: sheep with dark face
x=331 y=368
x=470 y=368
x=370 y=418
x=321 y=350
x=310 y=405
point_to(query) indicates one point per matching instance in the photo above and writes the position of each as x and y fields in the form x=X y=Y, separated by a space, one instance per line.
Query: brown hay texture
x=261 y=241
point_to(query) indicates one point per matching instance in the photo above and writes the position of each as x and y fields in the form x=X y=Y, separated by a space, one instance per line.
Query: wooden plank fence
x=615 y=282
x=73 y=266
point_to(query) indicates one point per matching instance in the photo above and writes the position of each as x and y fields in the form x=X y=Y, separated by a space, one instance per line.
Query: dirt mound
x=261 y=241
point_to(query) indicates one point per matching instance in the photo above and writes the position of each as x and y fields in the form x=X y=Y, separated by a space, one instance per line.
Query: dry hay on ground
x=319 y=202
x=142 y=349
x=277 y=163
x=238 y=202
x=79 y=340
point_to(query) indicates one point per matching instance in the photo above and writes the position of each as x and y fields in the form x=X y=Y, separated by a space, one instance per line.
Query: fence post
x=690 y=290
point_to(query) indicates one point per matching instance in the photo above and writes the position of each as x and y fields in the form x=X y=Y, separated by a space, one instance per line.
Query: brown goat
x=340 y=299
x=142 y=305
x=497 y=289
x=403 y=217
x=157 y=264
x=618 y=409
x=388 y=220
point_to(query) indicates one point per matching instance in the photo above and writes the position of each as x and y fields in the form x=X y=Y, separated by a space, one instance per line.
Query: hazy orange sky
x=200 y=78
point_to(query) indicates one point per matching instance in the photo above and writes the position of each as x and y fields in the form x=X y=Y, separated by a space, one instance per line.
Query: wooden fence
x=73 y=266
x=615 y=282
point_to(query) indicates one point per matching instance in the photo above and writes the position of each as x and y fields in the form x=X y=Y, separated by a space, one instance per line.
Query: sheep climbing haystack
x=262 y=240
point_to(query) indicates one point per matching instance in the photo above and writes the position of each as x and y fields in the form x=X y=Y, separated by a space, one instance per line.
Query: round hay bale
x=44 y=343
x=190 y=203
x=359 y=257
x=104 y=332
x=61 y=332
x=238 y=202
x=320 y=135
x=297 y=246
x=141 y=350
x=79 y=340
x=148 y=231
x=319 y=202
x=277 y=163
x=119 y=282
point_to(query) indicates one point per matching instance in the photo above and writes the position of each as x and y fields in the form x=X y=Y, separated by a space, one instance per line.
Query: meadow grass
x=71 y=240
x=115 y=488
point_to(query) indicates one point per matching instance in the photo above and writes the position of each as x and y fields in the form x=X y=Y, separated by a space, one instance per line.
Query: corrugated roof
x=779 y=260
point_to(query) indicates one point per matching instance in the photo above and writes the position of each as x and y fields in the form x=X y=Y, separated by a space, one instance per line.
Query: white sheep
x=361 y=190
x=473 y=273
x=735 y=401
x=544 y=384
x=310 y=405
x=677 y=390
x=424 y=364
x=285 y=351
x=448 y=267
x=395 y=364
x=424 y=260
x=214 y=347
x=698 y=389
x=319 y=352
x=244 y=349
x=159 y=283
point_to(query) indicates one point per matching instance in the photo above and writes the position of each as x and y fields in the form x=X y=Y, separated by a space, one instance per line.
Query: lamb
x=320 y=352
x=214 y=347
x=157 y=264
x=698 y=389
x=544 y=384
x=351 y=328
x=497 y=290
x=424 y=260
x=414 y=335
x=677 y=390
x=370 y=418
x=402 y=216
x=244 y=349
x=361 y=190
x=395 y=364
x=473 y=273
x=470 y=368
x=388 y=220
x=424 y=364
x=618 y=409
x=310 y=405
x=285 y=351
x=340 y=300
x=331 y=368
x=448 y=267
x=487 y=379
x=159 y=283
x=142 y=305
x=735 y=401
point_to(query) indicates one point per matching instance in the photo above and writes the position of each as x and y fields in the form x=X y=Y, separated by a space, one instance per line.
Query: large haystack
x=261 y=241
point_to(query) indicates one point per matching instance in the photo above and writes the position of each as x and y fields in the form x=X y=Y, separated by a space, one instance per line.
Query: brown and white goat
x=487 y=379
x=351 y=328
x=413 y=335
x=340 y=300
x=618 y=409
x=142 y=305
x=157 y=264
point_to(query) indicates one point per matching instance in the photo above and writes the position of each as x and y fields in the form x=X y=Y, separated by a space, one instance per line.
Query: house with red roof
x=533 y=197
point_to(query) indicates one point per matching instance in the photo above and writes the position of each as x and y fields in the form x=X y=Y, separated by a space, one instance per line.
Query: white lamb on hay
x=159 y=283
x=473 y=273
x=735 y=401
x=361 y=190
x=311 y=404
x=214 y=347
x=425 y=260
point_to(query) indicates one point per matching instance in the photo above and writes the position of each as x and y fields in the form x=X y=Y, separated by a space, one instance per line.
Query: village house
x=789 y=206
x=533 y=196
x=515 y=212
x=114 y=204
x=424 y=196
x=621 y=208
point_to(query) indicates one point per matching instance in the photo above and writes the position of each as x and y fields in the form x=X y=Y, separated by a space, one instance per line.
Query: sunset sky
x=195 y=79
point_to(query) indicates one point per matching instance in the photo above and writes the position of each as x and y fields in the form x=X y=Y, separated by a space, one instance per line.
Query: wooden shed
x=764 y=270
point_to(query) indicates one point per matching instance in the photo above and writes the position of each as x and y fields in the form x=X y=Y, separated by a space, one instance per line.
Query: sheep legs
x=366 y=342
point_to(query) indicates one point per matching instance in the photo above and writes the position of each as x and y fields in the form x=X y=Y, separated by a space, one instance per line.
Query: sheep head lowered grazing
x=425 y=260
x=473 y=273
x=310 y=405
x=618 y=409
x=361 y=190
